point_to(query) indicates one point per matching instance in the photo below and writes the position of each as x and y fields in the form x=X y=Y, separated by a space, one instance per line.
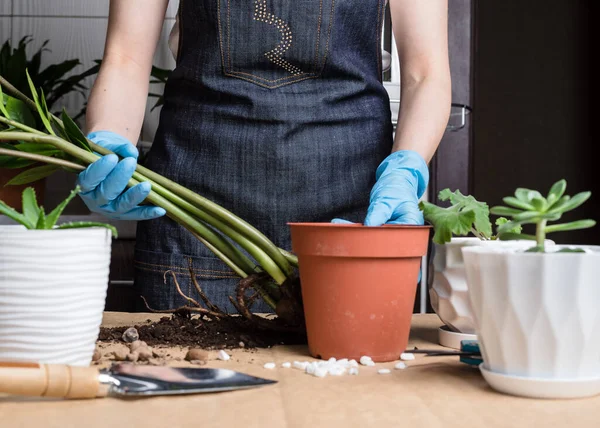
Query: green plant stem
x=540 y=234
x=41 y=158
x=17 y=94
x=249 y=232
x=20 y=126
x=174 y=212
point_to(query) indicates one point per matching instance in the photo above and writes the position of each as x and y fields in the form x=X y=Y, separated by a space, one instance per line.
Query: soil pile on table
x=227 y=333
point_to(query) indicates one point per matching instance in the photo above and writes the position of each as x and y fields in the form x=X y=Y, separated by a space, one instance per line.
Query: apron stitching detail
x=318 y=34
x=201 y=275
x=269 y=86
x=329 y=33
x=276 y=80
x=182 y=268
x=380 y=9
x=220 y=35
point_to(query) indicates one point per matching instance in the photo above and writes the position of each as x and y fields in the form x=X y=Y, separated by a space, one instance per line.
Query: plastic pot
x=53 y=287
x=537 y=320
x=358 y=287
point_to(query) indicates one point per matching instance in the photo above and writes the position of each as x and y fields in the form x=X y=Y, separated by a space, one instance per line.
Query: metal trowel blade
x=128 y=380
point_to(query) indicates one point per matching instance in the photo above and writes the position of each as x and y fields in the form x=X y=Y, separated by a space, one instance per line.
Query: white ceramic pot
x=536 y=318
x=53 y=287
x=448 y=293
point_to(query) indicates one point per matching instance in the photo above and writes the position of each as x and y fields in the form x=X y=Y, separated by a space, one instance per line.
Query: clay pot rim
x=358 y=226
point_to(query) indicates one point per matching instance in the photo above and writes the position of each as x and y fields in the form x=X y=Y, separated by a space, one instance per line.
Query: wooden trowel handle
x=48 y=380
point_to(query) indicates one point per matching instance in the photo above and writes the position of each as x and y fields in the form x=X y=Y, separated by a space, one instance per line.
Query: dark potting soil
x=178 y=330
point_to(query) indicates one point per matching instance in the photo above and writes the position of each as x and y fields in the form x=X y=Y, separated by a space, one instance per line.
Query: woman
x=276 y=111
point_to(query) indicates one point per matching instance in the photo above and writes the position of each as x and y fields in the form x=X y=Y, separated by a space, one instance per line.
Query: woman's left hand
x=401 y=181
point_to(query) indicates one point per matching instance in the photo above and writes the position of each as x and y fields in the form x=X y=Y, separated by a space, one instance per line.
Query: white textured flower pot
x=449 y=293
x=53 y=287
x=537 y=320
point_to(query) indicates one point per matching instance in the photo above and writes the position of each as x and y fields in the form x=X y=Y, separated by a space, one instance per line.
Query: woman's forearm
x=118 y=99
x=424 y=113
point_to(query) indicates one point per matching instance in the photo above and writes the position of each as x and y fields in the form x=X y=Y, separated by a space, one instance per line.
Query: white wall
x=76 y=30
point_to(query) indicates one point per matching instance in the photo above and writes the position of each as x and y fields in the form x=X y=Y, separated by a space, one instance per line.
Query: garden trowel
x=121 y=380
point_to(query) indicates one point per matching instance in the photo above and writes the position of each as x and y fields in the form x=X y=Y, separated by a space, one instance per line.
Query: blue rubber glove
x=103 y=183
x=401 y=181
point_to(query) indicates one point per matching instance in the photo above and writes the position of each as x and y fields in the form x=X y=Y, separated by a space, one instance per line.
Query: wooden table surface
x=432 y=392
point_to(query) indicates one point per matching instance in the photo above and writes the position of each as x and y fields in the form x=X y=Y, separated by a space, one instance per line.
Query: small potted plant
x=55 y=84
x=448 y=291
x=536 y=310
x=53 y=284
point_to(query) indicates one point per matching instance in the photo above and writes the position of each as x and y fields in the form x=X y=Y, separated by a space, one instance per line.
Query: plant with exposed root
x=267 y=273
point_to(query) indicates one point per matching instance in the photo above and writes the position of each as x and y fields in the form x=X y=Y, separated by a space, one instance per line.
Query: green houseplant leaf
x=57 y=212
x=535 y=209
x=31 y=210
x=33 y=174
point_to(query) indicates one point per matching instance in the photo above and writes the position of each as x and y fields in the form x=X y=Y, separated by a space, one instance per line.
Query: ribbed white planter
x=449 y=292
x=537 y=317
x=53 y=287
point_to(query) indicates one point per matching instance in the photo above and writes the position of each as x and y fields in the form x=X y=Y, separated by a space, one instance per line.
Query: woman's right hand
x=103 y=183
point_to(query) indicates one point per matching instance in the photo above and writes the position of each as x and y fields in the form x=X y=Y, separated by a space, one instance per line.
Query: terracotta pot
x=11 y=195
x=358 y=287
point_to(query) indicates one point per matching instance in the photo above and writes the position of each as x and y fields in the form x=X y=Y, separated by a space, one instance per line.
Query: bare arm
x=118 y=98
x=421 y=31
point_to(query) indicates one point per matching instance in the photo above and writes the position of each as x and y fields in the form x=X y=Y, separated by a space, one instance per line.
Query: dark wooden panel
x=120 y=296
x=532 y=116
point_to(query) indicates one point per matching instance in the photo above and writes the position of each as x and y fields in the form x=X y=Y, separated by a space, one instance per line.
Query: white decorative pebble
x=343 y=361
x=400 y=366
x=300 y=365
x=311 y=368
x=222 y=355
x=364 y=360
x=286 y=365
x=336 y=370
x=331 y=360
x=353 y=371
x=320 y=372
x=407 y=356
x=352 y=363
x=384 y=371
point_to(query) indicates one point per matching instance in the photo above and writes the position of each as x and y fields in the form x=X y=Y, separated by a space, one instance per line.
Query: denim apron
x=277 y=112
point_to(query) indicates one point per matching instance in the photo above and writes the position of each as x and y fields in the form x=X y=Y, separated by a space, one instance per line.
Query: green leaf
x=3 y=109
x=514 y=231
x=33 y=174
x=574 y=225
x=53 y=217
x=539 y=203
x=15 y=215
x=571 y=250
x=534 y=217
x=38 y=148
x=500 y=210
x=571 y=204
x=447 y=221
x=507 y=236
x=85 y=224
x=73 y=132
x=536 y=249
x=41 y=108
x=31 y=210
x=517 y=203
x=19 y=112
x=508 y=227
x=556 y=192
x=41 y=221
x=526 y=195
